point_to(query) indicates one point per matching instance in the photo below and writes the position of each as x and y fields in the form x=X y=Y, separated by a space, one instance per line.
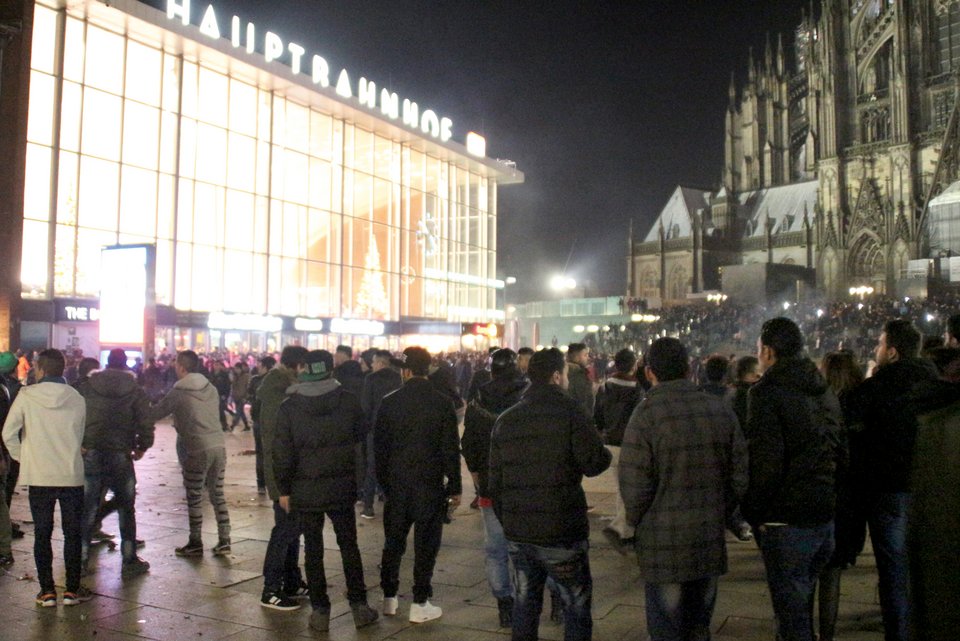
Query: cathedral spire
x=768 y=55
x=780 y=59
x=751 y=71
x=732 y=90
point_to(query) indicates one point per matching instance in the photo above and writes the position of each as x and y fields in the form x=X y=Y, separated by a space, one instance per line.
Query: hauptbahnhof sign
x=275 y=49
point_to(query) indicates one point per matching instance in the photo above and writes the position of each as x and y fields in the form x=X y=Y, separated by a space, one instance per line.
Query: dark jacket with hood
x=117 y=412
x=375 y=386
x=616 y=400
x=350 y=375
x=417 y=448
x=793 y=422
x=540 y=450
x=313 y=449
x=493 y=399
x=883 y=426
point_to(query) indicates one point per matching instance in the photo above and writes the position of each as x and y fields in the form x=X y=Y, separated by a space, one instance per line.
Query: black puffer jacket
x=375 y=386
x=540 y=450
x=493 y=399
x=417 y=448
x=793 y=420
x=350 y=375
x=313 y=449
x=117 y=412
x=883 y=426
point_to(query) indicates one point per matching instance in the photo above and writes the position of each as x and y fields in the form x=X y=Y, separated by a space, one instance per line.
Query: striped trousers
x=205 y=470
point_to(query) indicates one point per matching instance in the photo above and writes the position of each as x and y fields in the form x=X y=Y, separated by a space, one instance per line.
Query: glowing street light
x=559 y=283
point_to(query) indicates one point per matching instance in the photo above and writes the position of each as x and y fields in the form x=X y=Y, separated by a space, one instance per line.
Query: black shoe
x=15 y=531
x=134 y=567
x=297 y=591
x=278 y=601
x=505 y=608
x=363 y=615
x=475 y=503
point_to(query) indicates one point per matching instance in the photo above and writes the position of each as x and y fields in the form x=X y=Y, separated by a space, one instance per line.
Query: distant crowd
x=812 y=428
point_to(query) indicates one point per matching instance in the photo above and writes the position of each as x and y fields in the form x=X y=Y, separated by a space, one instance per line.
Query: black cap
x=319 y=365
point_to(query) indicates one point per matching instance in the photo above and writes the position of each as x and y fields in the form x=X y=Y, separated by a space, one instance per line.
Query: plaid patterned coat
x=683 y=467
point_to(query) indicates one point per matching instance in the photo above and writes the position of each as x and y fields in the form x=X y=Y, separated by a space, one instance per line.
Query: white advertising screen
x=123 y=295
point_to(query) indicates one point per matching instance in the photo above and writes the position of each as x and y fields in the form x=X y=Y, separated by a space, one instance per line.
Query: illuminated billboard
x=126 y=293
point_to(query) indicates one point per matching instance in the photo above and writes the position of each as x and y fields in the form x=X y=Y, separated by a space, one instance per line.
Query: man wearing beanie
x=51 y=415
x=118 y=432
x=314 y=465
x=417 y=453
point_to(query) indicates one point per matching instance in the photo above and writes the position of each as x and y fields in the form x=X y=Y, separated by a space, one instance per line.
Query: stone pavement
x=218 y=598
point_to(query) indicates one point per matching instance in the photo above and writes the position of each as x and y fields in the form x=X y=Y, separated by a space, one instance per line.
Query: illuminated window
x=99 y=188
x=321 y=129
x=168 y=142
x=171 y=82
x=207 y=283
x=71 y=98
x=40 y=118
x=138 y=201
x=101 y=118
x=240 y=216
x=143 y=73
x=43 y=51
x=319 y=184
x=296 y=177
x=188 y=147
x=188 y=106
x=36 y=192
x=243 y=108
x=68 y=182
x=63 y=260
x=104 y=68
x=212 y=105
x=211 y=154
x=297 y=127
x=164 y=282
x=89 y=244
x=241 y=162
x=165 y=193
x=33 y=264
x=73 y=51
x=184 y=275
x=141 y=135
x=238 y=273
x=208 y=215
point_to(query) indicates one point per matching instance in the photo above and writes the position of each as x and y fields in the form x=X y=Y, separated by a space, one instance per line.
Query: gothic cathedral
x=833 y=150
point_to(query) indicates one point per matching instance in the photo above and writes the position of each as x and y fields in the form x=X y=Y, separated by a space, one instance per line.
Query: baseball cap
x=319 y=365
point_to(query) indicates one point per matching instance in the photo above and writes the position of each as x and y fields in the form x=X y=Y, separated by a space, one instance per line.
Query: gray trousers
x=205 y=470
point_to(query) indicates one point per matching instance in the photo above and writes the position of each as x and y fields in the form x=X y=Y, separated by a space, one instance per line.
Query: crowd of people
x=804 y=455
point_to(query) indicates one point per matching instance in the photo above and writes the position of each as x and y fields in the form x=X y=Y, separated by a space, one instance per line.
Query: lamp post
x=511 y=329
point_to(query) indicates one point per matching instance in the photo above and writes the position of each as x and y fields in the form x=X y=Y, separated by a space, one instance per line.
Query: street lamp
x=559 y=283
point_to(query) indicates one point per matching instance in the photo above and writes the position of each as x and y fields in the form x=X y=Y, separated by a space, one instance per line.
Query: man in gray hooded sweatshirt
x=195 y=405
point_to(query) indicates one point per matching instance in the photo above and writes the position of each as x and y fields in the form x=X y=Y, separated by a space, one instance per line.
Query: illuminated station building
x=281 y=197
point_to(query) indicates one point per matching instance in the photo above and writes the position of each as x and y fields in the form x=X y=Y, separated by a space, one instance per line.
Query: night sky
x=604 y=106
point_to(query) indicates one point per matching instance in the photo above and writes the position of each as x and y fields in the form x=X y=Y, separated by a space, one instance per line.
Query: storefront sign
x=356 y=326
x=74 y=312
x=291 y=53
x=314 y=325
x=250 y=322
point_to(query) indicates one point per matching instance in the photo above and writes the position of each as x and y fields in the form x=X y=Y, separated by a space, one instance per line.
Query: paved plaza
x=218 y=598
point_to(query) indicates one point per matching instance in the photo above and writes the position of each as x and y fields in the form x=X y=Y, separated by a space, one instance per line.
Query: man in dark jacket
x=220 y=378
x=381 y=380
x=540 y=450
x=616 y=400
x=418 y=466
x=118 y=431
x=794 y=420
x=884 y=430
x=266 y=364
x=580 y=387
x=683 y=468
x=493 y=398
x=313 y=460
x=282 y=582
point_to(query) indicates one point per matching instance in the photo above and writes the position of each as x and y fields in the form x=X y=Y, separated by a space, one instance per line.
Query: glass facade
x=256 y=202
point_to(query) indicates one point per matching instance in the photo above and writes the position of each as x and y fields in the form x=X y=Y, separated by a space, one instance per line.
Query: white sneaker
x=390 y=605
x=423 y=612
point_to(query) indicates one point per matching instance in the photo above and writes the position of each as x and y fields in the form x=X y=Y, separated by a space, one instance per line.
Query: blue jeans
x=280 y=563
x=113 y=470
x=42 y=502
x=793 y=558
x=569 y=567
x=498 y=561
x=681 y=611
x=887 y=517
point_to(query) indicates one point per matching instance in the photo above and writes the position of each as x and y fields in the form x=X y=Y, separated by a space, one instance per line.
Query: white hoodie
x=52 y=416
